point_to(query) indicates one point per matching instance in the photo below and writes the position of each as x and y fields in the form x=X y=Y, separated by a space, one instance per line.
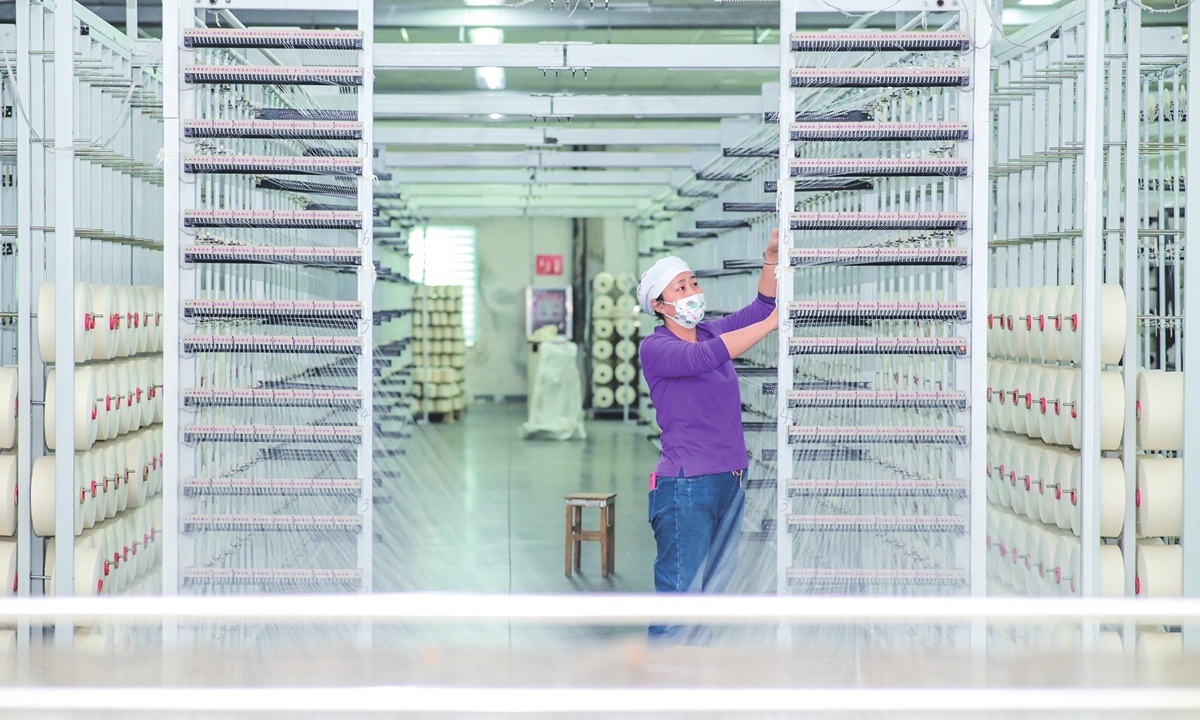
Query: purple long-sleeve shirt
x=694 y=389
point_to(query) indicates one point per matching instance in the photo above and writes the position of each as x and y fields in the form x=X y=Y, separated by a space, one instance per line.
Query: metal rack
x=273 y=305
x=882 y=293
x=79 y=313
x=1093 y=296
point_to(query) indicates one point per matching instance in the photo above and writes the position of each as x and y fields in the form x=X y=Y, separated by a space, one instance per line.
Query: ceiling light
x=486 y=36
x=1037 y=2
x=489 y=78
x=495 y=116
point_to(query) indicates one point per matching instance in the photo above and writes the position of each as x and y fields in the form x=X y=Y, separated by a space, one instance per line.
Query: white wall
x=505 y=254
x=505 y=249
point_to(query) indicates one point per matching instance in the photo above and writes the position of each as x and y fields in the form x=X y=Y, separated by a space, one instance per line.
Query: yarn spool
x=1031 y=467
x=625 y=350
x=1065 y=472
x=1111 y=484
x=625 y=396
x=114 y=460
x=602 y=397
x=993 y=327
x=603 y=283
x=602 y=350
x=160 y=324
x=626 y=306
x=993 y=473
x=602 y=329
x=145 y=383
x=8 y=497
x=1018 y=332
x=1062 y=411
x=89 y=570
x=1003 y=395
x=82 y=323
x=1112 y=323
x=1064 y=322
x=1111 y=410
x=91 y=499
x=137 y=469
x=1028 y=563
x=1045 y=489
x=8 y=407
x=1159 y=496
x=125 y=388
x=1159 y=410
x=126 y=337
x=602 y=307
x=626 y=327
x=113 y=398
x=1029 y=324
x=86 y=413
x=145 y=312
x=104 y=403
x=1018 y=414
x=104 y=310
x=1044 y=410
x=41 y=496
x=602 y=374
x=8 y=574
x=993 y=391
x=1159 y=571
x=1044 y=328
x=625 y=373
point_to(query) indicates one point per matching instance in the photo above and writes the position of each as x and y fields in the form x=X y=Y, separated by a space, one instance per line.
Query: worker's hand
x=772 y=253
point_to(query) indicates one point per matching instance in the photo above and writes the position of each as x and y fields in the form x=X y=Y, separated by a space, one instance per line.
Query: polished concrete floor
x=477 y=509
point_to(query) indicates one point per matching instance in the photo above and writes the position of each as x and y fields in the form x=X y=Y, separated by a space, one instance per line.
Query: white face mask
x=689 y=311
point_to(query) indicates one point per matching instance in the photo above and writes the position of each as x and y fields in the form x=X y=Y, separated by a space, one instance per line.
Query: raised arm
x=766 y=281
x=668 y=357
x=737 y=342
x=762 y=305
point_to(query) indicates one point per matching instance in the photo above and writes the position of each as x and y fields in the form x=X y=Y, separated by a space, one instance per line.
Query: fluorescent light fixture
x=489 y=78
x=1037 y=2
x=495 y=116
x=486 y=36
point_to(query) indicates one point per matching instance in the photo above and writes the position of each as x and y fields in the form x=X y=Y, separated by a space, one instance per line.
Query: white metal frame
x=181 y=15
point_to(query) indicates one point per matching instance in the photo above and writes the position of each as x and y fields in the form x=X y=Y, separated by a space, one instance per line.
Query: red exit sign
x=549 y=264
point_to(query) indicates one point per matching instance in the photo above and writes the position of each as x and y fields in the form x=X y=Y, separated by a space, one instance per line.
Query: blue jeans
x=697 y=525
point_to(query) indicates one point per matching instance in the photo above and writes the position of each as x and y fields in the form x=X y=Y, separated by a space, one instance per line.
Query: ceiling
x=535 y=184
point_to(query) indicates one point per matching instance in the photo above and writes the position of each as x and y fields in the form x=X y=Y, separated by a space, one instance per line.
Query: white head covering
x=657 y=278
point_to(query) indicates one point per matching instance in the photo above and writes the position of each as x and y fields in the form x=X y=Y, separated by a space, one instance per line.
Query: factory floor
x=478 y=509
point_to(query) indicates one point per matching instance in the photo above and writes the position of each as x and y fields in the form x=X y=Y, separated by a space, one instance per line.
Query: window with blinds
x=446 y=256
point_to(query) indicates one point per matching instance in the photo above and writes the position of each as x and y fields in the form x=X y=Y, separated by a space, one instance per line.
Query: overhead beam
x=514 y=201
x=429 y=56
x=477 y=135
x=416 y=191
x=543 y=176
x=532 y=137
x=503 y=103
x=436 y=214
x=619 y=15
x=711 y=106
x=675 y=57
x=646 y=136
x=538 y=159
x=561 y=56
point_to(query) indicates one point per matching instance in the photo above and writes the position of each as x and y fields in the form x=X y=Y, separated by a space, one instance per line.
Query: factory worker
x=697 y=491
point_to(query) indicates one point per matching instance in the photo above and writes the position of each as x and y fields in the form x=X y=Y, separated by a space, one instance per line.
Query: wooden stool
x=607 y=502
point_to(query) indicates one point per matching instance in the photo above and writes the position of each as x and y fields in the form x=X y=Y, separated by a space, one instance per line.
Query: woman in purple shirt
x=697 y=491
